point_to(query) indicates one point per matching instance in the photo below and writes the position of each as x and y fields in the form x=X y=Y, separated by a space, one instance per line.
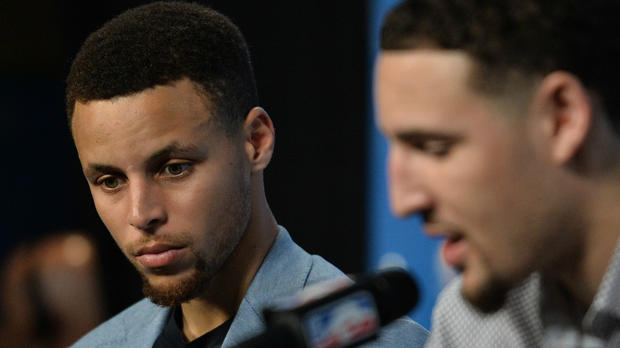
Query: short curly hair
x=532 y=37
x=158 y=44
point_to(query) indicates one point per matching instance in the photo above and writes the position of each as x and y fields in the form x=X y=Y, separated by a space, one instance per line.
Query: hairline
x=209 y=104
x=498 y=85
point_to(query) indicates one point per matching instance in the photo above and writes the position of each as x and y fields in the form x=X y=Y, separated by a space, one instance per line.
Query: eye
x=108 y=182
x=435 y=147
x=176 y=169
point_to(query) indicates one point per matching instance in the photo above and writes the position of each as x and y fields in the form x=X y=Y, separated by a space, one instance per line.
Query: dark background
x=310 y=63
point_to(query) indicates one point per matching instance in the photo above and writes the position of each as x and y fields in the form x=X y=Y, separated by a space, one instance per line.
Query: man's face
x=471 y=165
x=170 y=186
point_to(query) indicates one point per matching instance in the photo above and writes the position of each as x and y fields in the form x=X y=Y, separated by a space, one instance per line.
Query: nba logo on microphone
x=351 y=319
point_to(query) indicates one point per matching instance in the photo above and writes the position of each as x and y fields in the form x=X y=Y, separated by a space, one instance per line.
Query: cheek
x=479 y=191
x=200 y=198
x=205 y=199
x=494 y=208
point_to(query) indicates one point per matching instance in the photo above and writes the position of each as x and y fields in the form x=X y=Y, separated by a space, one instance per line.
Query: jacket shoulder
x=137 y=325
x=403 y=332
x=321 y=270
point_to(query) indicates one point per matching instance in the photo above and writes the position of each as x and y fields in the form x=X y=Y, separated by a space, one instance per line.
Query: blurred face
x=470 y=165
x=168 y=184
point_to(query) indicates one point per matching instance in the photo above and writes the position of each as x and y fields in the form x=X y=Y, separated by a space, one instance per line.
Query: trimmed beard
x=181 y=291
x=490 y=298
x=184 y=290
x=197 y=282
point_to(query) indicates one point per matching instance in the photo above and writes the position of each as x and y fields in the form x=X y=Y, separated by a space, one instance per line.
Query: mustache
x=441 y=225
x=171 y=240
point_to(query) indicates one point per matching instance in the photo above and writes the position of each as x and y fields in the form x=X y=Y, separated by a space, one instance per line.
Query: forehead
x=434 y=67
x=181 y=97
x=141 y=121
x=412 y=84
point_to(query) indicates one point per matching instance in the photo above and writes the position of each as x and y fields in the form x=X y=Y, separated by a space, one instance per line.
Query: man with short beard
x=162 y=107
x=503 y=124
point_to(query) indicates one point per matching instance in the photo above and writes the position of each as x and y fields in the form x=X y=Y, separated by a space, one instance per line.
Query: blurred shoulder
x=456 y=323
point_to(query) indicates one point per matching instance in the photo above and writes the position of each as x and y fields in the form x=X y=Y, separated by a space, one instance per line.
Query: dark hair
x=532 y=37
x=160 y=43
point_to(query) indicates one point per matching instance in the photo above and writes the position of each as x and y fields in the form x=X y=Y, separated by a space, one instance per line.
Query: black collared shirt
x=172 y=335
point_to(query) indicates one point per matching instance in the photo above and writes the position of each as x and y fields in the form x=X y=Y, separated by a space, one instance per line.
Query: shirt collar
x=604 y=313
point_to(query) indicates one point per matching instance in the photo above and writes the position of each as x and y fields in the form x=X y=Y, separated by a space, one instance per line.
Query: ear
x=259 y=138
x=566 y=110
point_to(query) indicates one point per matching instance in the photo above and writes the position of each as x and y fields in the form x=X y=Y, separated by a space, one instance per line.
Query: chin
x=487 y=294
x=174 y=290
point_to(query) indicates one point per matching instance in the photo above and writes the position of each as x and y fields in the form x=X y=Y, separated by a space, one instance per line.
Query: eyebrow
x=94 y=169
x=174 y=149
x=419 y=135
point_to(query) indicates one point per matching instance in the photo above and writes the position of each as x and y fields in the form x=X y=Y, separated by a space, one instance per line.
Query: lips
x=454 y=250
x=453 y=247
x=159 y=255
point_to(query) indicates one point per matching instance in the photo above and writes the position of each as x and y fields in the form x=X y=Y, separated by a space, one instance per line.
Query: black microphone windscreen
x=396 y=293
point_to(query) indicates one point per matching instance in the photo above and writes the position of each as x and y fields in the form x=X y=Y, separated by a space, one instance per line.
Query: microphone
x=350 y=313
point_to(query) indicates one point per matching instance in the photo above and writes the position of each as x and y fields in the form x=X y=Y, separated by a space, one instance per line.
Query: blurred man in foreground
x=502 y=120
x=162 y=107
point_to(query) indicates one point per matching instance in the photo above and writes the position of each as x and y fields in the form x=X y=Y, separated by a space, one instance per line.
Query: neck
x=227 y=288
x=600 y=235
x=596 y=184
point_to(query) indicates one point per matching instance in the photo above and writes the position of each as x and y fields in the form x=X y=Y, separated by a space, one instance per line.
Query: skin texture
x=489 y=173
x=163 y=173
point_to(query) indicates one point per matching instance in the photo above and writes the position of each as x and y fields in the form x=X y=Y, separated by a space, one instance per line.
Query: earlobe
x=259 y=137
x=567 y=110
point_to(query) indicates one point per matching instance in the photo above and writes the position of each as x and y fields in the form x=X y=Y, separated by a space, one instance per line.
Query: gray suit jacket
x=286 y=270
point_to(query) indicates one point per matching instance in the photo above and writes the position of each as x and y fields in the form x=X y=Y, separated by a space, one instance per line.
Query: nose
x=408 y=192
x=147 y=210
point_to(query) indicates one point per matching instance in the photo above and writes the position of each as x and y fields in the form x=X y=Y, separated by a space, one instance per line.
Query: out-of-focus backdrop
x=313 y=62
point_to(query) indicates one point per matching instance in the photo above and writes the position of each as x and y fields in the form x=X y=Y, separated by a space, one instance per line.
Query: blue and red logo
x=348 y=320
